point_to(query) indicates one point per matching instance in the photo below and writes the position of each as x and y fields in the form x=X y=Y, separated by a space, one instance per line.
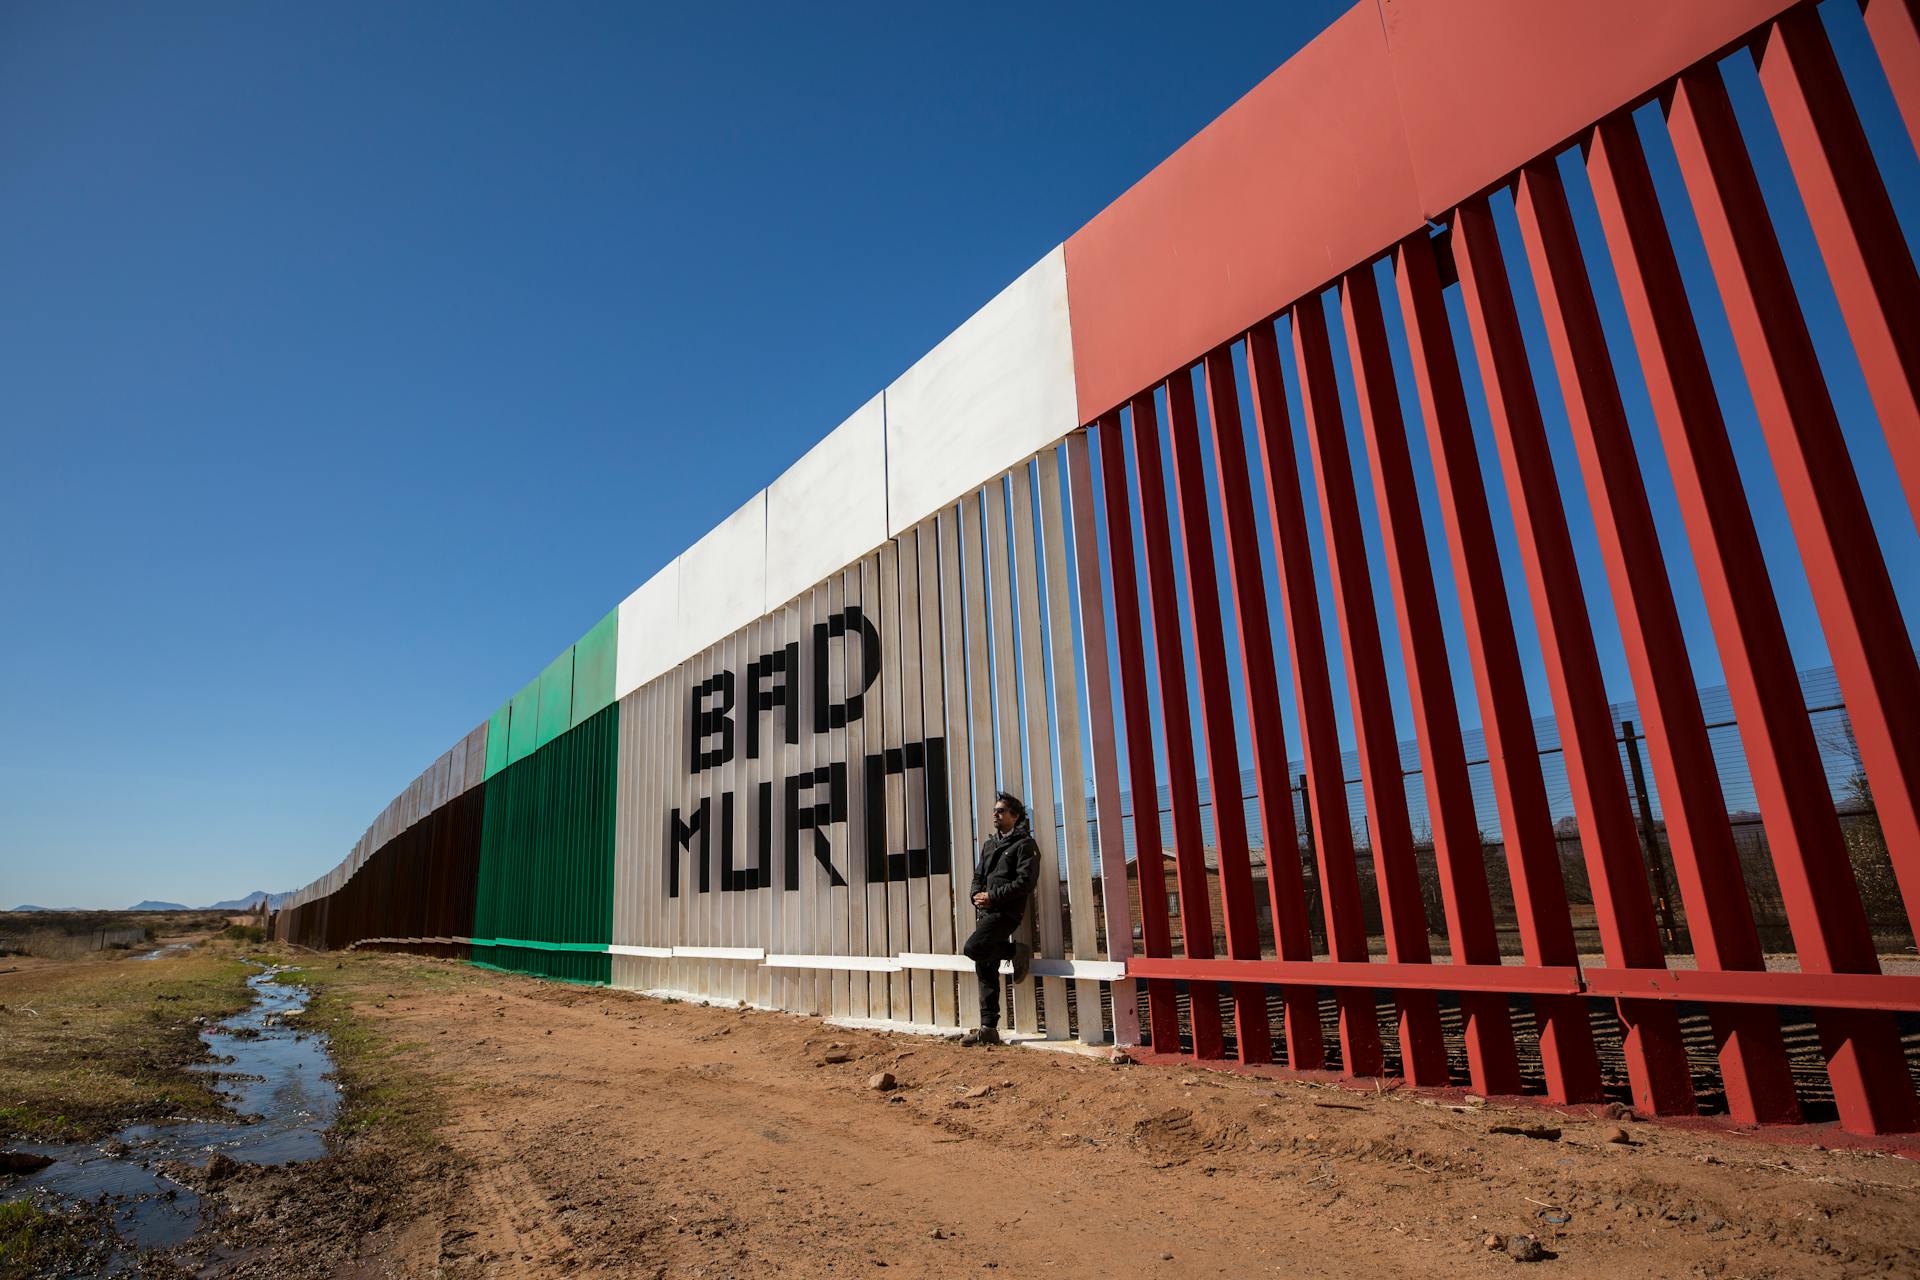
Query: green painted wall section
x=524 y=727
x=543 y=904
x=556 y=699
x=594 y=658
x=497 y=739
x=575 y=687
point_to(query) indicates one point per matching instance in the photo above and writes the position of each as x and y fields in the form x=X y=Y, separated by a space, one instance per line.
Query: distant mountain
x=251 y=902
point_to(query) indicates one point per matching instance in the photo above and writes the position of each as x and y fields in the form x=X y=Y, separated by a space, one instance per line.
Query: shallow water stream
x=276 y=1080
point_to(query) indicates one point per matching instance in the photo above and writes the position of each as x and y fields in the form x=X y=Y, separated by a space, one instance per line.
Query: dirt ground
x=584 y=1132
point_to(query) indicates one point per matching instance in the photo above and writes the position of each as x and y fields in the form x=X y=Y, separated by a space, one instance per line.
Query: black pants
x=991 y=942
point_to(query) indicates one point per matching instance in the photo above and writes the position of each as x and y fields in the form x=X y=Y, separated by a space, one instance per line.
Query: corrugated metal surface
x=544 y=899
x=417 y=885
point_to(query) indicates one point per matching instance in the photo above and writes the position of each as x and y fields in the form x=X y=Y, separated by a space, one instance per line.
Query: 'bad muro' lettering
x=722 y=717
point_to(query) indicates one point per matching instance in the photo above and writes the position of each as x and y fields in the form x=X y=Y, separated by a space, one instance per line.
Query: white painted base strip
x=944 y=963
x=864 y=964
x=1088 y=970
x=720 y=953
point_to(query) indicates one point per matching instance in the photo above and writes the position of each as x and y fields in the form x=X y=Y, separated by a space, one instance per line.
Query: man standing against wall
x=1003 y=880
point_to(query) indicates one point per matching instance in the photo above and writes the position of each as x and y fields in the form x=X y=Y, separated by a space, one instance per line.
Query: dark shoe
x=1022 y=961
x=981 y=1035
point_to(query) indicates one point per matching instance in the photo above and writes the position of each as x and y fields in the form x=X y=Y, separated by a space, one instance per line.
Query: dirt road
x=596 y=1133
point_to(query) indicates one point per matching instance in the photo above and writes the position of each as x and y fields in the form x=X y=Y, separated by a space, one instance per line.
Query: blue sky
x=355 y=359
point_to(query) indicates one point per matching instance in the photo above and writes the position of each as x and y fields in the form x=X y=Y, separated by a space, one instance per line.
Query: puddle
x=167 y=950
x=275 y=1080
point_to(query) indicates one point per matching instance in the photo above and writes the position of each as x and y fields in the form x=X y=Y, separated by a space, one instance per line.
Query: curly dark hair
x=1013 y=802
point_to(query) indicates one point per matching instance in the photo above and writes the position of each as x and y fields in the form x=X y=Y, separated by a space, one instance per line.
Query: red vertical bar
x=1853 y=219
x=1753 y=1060
x=1286 y=891
x=1817 y=884
x=1491 y=1065
x=1313 y=692
x=1656 y=1060
x=1872 y=651
x=1895 y=27
x=1866 y=635
x=1533 y=858
x=1253 y=1035
x=1163 y=1018
x=1183 y=790
x=1404 y=916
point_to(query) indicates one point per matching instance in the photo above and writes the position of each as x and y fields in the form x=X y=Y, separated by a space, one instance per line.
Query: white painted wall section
x=830 y=508
x=723 y=579
x=997 y=390
x=648 y=619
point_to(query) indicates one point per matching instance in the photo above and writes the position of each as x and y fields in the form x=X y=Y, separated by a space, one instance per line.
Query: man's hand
x=980 y=899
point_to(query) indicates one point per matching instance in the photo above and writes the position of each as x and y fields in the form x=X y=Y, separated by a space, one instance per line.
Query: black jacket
x=1008 y=869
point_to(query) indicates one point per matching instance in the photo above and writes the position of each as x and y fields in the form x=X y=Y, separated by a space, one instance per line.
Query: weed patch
x=20 y=1224
x=91 y=1047
x=34 y=1242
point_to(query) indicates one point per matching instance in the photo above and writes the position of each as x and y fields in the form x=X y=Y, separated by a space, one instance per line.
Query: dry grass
x=51 y=944
x=77 y=935
x=96 y=1043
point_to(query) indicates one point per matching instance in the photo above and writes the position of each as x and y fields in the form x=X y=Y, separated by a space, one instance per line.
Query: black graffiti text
x=770 y=687
x=814 y=801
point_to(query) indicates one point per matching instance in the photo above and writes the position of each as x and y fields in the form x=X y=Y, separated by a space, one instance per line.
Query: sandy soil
x=597 y=1133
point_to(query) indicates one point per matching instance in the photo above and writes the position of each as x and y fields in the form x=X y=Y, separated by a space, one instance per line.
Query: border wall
x=1109 y=546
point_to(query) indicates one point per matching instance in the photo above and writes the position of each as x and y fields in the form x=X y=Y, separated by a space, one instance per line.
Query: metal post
x=1648 y=837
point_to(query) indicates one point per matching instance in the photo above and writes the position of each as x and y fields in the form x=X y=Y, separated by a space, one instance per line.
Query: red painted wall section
x=1487 y=85
x=1398 y=111
x=1302 y=177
